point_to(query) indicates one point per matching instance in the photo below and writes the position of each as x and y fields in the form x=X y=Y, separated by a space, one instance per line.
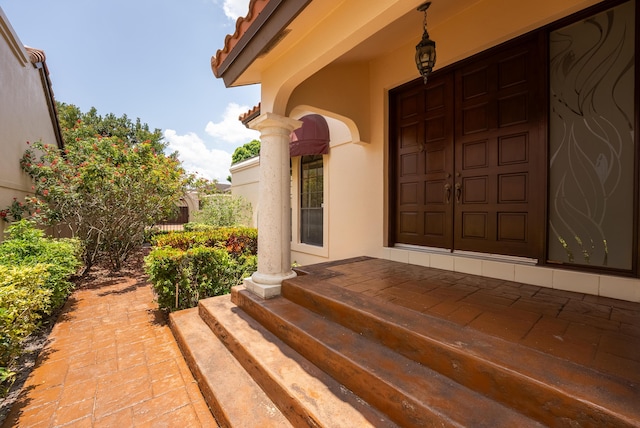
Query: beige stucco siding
x=341 y=60
x=357 y=92
x=24 y=114
x=245 y=177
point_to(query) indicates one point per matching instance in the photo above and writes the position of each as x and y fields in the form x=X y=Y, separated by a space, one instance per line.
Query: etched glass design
x=592 y=152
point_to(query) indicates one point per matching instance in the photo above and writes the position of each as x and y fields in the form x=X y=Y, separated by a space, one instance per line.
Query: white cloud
x=197 y=158
x=235 y=8
x=230 y=129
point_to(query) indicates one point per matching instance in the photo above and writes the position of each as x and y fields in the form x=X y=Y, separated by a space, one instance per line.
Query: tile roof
x=35 y=55
x=38 y=58
x=245 y=118
x=242 y=24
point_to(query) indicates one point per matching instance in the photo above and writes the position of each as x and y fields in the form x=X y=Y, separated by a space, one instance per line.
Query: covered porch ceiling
x=386 y=28
x=292 y=39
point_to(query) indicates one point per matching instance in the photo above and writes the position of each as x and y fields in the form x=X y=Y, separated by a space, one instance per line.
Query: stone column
x=274 y=217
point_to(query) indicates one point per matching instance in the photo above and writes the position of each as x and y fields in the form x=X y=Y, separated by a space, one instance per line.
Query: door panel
x=495 y=166
x=424 y=151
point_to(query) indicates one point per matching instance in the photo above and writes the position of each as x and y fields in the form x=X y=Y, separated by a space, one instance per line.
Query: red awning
x=310 y=139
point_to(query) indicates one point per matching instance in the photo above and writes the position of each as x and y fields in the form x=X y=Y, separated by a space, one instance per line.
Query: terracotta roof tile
x=38 y=59
x=35 y=55
x=242 y=24
x=245 y=118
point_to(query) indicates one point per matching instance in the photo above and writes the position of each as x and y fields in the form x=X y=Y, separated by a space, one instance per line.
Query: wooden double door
x=468 y=155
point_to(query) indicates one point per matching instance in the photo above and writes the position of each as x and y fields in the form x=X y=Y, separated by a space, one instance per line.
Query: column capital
x=268 y=120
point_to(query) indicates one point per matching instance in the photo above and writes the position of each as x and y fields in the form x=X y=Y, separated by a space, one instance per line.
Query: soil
x=95 y=277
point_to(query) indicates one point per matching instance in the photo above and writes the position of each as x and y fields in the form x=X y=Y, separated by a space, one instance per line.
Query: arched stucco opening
x=342 y=129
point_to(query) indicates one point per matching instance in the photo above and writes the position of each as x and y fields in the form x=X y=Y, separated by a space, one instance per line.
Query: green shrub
x=197 y=227
x=34 y=280
x=236 y=239
x=224 y=210
x=23 y=299
x=26 y=246
x=182 y=277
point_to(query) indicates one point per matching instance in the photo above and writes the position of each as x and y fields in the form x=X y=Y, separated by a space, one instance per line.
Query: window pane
x=311 y=198
x=312 y=226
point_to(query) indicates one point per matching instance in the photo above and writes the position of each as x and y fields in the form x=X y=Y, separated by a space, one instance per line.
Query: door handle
x=458 y=192
x=447 y=193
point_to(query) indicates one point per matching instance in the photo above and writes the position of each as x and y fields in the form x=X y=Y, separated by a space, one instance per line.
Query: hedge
x=35 y=277
x=23 y=299
x=235 y=239
x=185 y=267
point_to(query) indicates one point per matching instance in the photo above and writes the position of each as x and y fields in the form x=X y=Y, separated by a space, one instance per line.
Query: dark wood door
x=468 y=156
x=424 y=164
x=499 y=177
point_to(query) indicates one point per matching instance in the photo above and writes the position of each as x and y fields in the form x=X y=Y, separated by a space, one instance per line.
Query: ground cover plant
x=35 y=274
x=185 y=267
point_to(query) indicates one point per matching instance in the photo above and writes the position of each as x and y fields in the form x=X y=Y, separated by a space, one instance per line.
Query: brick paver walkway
x=111 y=361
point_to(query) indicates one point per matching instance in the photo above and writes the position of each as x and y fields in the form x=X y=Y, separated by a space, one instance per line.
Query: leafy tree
x=110 y=183
x=246 y=151
x=94 y=125
x=203 y=187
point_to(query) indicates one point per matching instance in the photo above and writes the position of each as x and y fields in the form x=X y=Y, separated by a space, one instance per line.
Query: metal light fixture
x=426 y=49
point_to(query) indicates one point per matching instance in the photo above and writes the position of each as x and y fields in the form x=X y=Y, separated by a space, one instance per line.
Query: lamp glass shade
x=425 y=56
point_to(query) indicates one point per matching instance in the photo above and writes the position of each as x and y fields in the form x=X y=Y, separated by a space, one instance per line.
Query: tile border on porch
x=595 y=284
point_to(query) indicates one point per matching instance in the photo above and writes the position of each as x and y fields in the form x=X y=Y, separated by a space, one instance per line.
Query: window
x=311 y=200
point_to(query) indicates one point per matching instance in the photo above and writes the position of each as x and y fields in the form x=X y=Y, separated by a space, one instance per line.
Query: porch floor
x=595 y=332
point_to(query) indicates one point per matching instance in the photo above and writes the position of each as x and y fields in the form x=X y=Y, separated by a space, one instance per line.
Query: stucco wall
x=245 y=177
x=343 y=65
x=357 y=204
x=347 y=206
x=24 y=114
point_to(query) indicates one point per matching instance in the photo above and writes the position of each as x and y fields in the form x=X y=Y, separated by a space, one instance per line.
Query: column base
x=266 y=286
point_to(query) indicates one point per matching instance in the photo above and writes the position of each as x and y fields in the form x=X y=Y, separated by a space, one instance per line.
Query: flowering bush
x=111 y=182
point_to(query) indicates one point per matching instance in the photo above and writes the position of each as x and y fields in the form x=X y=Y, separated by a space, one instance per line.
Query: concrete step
x=307 y=396
x=410 y=393
x=234 y=398
x=551 y=390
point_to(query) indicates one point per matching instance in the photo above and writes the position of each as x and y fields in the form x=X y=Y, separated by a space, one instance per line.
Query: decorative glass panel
x=592 y=140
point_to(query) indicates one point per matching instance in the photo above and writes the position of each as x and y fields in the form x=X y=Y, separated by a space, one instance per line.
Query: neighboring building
x=245 y=178
x=223 y=187
x=515 y=161
x=27 y=111
x=188 y=205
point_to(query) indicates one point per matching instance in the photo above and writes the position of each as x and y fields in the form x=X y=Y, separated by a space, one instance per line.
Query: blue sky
x=148 y=59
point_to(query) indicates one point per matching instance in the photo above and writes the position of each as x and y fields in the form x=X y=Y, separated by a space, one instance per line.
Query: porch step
x=551 y=390
x=410 y=393
x=233 y=397
x=323 y=356
x=307 y=396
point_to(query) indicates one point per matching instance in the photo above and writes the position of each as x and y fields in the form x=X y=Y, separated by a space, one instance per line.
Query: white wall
x=245 y=178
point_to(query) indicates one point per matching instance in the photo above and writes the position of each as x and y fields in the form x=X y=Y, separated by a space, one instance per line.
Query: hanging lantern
x=426 y=49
